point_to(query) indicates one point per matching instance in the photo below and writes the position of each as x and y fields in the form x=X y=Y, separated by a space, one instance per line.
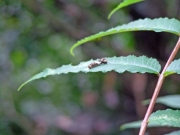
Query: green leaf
x=130 y=63
x=174 y=133
x=166 y=117
x=158 y=119
x=157 y=25
x=173 y=68
x=137 y=124
x=171 y=101
x=123 y=4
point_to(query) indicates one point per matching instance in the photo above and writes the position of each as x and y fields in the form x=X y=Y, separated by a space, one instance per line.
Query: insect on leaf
x=121 y=64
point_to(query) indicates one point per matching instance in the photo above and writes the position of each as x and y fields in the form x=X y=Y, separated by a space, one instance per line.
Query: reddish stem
x=157 y=89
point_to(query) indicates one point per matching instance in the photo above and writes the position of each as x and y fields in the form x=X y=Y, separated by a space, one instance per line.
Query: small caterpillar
x=95 y=64
x=103 y=61
x=92 y=65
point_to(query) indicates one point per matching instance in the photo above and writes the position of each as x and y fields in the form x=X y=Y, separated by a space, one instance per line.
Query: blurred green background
x=38 y=34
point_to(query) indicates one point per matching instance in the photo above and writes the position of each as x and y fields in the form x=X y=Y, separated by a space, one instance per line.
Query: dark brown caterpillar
x=92 y=65
x=95 y=64
x=103 y=61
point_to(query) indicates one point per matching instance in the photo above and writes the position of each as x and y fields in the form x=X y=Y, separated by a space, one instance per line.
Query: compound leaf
x=130 y=63
x=157 y=25
x=123 y=4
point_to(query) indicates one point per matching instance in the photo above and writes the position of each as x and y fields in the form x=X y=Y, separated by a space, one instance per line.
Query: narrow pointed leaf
x=157 y=25
x=166 y=117
x=137 y=124
x=173 y=68
x=174 y=133
x=123 y=4
x=132 y=64
x=171 y=101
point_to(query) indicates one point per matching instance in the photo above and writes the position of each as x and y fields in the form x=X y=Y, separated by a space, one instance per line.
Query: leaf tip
x=20 y=87
x=121 y=128
x=145 y=102
x=71 y=51
x=109 y=16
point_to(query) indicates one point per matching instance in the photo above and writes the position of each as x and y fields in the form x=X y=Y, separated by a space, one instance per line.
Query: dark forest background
x=38 y=34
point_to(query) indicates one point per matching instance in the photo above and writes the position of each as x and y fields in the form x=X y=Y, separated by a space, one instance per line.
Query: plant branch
x=157 y=89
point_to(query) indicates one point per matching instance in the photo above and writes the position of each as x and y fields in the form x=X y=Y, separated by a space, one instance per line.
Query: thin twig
x=157 y=89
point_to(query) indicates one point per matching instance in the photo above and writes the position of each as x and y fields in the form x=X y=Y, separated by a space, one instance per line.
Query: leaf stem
x=157 y=89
